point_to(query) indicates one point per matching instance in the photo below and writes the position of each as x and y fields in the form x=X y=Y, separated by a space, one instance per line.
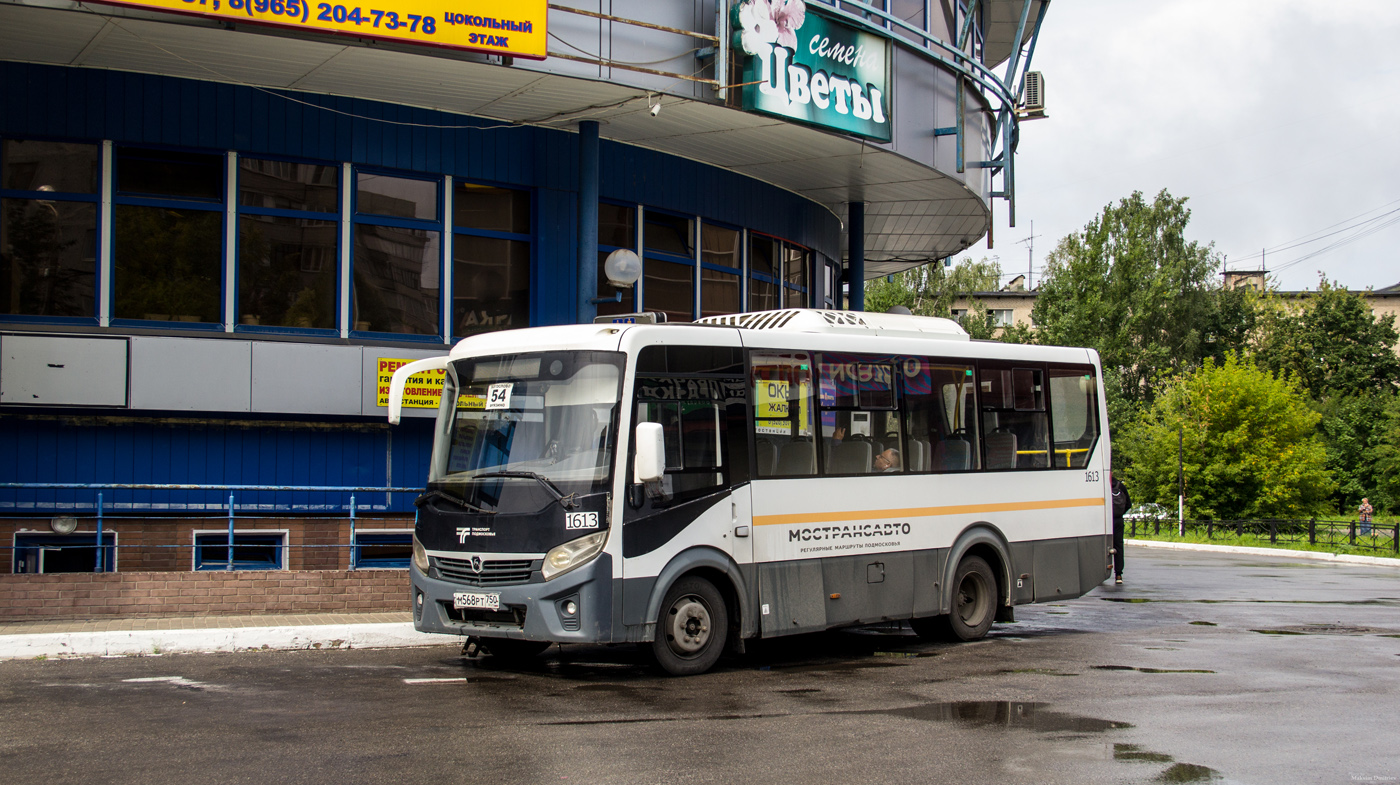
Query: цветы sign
x=812 y=68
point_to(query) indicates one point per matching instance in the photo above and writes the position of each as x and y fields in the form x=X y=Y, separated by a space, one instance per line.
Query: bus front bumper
x=537 y=611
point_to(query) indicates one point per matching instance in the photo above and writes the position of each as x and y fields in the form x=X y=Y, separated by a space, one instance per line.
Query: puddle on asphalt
x=1039 y=671
x=1010 y=714
x=1386 y=601
x=1177 y=772
x=1328 y=629
x=1149 y=670
x=1135 y=753
x=1189 y=772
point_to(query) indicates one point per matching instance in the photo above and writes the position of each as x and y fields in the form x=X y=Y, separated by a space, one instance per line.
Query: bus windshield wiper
x=567 y=502
x=451 y=499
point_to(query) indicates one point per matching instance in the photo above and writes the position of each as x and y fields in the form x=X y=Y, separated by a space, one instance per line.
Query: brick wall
x=154 y=594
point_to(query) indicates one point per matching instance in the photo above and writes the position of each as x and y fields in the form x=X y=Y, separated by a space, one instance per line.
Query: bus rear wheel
x=692 y=629
x=974 y=605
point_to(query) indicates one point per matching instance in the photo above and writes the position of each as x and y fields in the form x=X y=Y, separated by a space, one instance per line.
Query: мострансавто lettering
x=860 y=530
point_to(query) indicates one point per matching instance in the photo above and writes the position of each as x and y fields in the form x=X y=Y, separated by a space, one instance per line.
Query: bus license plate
x=466 y=599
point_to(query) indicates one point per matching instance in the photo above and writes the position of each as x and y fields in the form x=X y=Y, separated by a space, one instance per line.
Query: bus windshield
x=544 y=418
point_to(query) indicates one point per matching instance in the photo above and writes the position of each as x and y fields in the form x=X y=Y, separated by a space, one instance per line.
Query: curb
x=1344 y=558
x=155 y=642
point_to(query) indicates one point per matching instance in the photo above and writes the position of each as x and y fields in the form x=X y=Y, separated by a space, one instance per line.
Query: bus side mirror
x=650 y=464
x=400 y=378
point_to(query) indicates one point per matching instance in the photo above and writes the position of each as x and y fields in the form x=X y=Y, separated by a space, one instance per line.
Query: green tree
x=1333 y=344
x=1344 y=356
x=1131 y=286
x=932 y=289
x=1250 y=446
x=929 y=290
x=1387 y=457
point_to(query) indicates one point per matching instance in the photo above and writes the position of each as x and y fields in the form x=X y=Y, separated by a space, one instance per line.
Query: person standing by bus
x=1121 y=502
x=1365 y=511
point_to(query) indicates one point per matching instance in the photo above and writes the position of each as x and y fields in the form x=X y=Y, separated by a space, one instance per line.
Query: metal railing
x=105 y=555
x=1378 y=538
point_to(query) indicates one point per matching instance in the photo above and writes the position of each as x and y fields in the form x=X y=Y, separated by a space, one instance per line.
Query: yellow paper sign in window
x=505 y=27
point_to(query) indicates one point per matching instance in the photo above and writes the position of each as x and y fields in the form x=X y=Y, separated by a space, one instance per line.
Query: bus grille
x=498 y=572
x=507 y=616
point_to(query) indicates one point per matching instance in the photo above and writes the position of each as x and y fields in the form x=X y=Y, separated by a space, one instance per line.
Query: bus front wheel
x=974 y=605
x=692 y=628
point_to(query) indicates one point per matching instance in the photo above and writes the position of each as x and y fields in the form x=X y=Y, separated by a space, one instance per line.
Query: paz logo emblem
x=476 y=564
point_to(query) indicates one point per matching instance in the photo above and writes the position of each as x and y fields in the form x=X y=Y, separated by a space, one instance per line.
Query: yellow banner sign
x=504 y=27
x=421 y=391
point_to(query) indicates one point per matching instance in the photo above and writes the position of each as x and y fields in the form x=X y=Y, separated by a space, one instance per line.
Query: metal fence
x=1377 y=538
x=211 y=550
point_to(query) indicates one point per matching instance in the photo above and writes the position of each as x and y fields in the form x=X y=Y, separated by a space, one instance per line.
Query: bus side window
x=861 y=430
x=940 y=407
x=1074 y=410
x=1015 y=423
x=783 y=414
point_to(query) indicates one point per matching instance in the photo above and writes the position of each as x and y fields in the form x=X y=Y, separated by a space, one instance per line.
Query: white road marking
x=174 y=681
x=459 y=680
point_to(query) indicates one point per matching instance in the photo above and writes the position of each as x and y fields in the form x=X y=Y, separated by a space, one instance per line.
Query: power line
x=1310 y=238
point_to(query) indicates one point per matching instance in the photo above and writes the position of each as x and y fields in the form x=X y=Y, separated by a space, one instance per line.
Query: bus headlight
x=420 y=556
x=565 y=557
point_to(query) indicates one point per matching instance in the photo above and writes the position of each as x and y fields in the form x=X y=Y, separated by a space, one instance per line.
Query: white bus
x=688 y=487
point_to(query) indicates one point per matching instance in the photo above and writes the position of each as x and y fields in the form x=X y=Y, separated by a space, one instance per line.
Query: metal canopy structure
x=914 y=213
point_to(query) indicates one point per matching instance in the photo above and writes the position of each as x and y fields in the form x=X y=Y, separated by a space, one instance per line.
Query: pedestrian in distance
x=1365 y=512
x=1121 y=502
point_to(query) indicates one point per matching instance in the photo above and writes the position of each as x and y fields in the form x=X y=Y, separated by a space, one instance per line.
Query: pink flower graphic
x=788 y=15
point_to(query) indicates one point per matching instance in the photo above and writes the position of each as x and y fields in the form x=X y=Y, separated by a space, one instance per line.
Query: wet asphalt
x=1202 y=668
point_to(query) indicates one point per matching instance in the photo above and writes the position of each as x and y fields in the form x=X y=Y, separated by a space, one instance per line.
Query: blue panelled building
x=222 y=227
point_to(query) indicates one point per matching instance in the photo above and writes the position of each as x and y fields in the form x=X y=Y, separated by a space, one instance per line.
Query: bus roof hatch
x=809 y=320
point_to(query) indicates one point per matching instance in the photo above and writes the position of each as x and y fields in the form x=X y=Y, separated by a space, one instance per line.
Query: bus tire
x=692 y=628
x=973 y=605
x=511 y=650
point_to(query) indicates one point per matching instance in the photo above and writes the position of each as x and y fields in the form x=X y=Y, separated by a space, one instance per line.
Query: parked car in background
x=1146 y=513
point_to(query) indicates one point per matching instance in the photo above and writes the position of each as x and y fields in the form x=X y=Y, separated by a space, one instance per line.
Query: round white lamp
x=622 y=268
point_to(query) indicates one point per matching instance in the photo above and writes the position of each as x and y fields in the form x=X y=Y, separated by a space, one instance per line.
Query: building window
x=251 y=550
x=1002 y=317
x=764 y=283
x=668 y=265
x=48 y=228
x=490 y=259
x=45 y=553
x=778 y=274
x=168 y=236
x=617 y=228
x=381 y=550
x=721 y=270
x=796 y=264
x=396 y=283
x=288 y=243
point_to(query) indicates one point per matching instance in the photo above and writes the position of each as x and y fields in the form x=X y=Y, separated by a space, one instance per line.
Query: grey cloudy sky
x=1279 y=119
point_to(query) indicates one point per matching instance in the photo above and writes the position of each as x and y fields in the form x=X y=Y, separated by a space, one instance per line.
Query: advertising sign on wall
x=807 y=66
x=421 y=390
x=506 y=27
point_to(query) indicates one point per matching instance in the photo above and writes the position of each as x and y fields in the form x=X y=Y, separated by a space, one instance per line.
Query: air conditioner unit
x=1033 y=94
